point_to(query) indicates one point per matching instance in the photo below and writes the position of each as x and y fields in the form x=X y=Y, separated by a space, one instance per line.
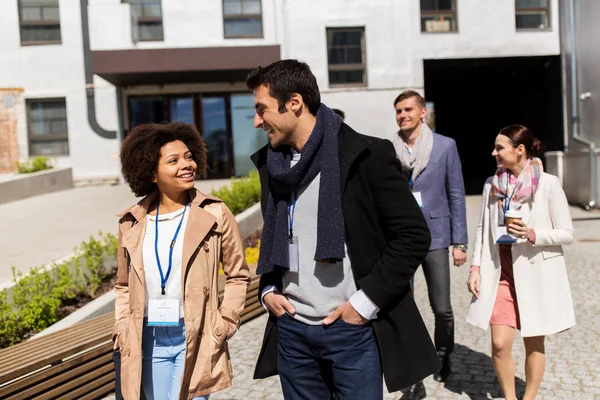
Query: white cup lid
x=513 y=214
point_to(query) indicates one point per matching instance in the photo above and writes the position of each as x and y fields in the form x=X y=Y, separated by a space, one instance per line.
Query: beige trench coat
x=541 y=281
x=210 y=238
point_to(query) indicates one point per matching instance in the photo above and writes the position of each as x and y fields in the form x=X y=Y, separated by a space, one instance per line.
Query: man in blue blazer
x=432 y=166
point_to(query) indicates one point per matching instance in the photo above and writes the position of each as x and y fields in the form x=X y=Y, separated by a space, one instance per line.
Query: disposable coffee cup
x=512 y=216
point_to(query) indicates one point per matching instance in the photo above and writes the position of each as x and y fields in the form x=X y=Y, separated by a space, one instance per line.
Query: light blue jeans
x=162 y=362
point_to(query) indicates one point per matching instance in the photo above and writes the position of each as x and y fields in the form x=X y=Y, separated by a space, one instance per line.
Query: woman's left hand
x=519 y=229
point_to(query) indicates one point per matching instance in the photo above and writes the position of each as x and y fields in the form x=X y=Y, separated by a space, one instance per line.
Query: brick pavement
x=573 y=357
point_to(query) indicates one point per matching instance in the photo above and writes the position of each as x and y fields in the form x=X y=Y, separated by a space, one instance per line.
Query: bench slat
x=67 y=376
x=101 y=392
x=41 y=360
x=23 y=351
x=83 y=390
x=54 y=370
x=78 y=385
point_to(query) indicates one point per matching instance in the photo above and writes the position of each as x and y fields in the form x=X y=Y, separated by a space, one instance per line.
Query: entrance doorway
x=225 y=120
x=474 y=98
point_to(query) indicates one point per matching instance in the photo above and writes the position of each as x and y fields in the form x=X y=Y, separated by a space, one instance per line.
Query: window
x=346 y=56
x=47 y=127
x=146 y=20
x=532 y=14
x=438 y=16
x=242 y=19
x=39 y=21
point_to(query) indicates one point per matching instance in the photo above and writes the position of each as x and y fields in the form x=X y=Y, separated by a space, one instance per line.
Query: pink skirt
x=506 y=309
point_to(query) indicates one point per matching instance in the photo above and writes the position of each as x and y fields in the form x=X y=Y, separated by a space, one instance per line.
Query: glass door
x=216 y=136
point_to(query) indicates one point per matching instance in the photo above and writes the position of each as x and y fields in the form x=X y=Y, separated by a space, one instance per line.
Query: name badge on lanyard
x=417 y=195
x=294 y=249
x=164 y=310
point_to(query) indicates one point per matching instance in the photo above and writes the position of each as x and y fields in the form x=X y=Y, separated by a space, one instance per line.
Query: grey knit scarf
x=418 y=158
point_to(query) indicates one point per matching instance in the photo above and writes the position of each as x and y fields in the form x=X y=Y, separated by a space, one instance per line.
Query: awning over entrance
x=181 y=65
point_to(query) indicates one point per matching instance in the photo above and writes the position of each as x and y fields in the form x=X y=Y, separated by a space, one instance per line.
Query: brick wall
x=10 y=99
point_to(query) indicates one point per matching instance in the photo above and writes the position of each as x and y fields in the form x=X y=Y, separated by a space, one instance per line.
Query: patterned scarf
x=513 y=191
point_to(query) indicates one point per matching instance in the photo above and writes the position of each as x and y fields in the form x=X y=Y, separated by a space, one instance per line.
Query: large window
x=438 y=16
x=146 y=20
x=242 y=19
x=39 y=21
x=346 y=56
x=47 y=127
x=532 y=14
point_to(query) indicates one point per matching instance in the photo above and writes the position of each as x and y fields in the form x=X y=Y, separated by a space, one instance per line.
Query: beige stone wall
x=10 y=99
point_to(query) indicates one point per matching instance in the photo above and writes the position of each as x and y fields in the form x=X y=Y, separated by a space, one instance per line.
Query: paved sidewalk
x=573 y=357
x=39 y=230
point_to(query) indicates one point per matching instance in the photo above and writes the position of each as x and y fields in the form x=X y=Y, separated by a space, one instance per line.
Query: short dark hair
x=407 y=94
x=518 y=134
x=140 y=152
x=284 y=78
x=339 y=112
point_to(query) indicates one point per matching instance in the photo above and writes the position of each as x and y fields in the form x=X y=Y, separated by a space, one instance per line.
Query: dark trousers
x=436 y=267
x=339 y=361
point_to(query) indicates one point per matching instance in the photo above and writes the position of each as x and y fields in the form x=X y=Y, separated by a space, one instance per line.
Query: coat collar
x=199 y=224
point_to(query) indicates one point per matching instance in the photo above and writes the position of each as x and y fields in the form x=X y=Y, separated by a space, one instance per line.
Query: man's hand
x=347 y=313
x=459 y=257
x=278 y=304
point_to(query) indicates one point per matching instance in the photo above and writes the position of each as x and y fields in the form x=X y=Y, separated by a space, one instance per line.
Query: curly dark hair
x=140 y=152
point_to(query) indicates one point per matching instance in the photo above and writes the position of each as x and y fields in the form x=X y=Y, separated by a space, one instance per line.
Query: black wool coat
x=387 y=238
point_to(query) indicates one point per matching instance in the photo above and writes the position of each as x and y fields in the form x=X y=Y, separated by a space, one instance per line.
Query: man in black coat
x=342 y=238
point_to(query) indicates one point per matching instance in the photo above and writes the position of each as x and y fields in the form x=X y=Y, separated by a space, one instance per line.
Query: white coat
x=540 y=274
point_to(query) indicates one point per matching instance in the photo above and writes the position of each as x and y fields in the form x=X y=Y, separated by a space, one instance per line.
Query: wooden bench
x=76 y=362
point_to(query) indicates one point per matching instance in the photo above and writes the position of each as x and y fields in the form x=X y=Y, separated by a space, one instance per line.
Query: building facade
x=87 y=71
x=579 y=165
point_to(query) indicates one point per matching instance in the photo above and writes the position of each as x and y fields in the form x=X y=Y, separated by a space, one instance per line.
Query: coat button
x=532 y=261
x=130 y=310
x=206 y=291
x=128 y=353
x=205 y=246
x=218 y=332
x=201 y=334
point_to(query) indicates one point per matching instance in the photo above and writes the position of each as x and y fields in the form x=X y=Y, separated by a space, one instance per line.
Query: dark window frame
x=41 y=22
x=243 y=16
x=348 y=67
x=46 y=138
x=441 y=14
x=535 y=11
x=148 y=20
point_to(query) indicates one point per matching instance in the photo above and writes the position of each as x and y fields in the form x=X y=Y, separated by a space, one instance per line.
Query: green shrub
x=35 y=302
x=241 y=194
x=36 y=164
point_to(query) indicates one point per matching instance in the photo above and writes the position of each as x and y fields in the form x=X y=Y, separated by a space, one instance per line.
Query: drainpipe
x=575 y=112
x=89 y=76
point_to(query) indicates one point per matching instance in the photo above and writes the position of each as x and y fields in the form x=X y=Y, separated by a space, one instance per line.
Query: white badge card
x=294 y=254
x=419 y=198
x=502 y=237
x=163 y=311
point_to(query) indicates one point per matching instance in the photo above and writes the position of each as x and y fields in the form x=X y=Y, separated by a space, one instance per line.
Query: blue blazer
x=443 y=192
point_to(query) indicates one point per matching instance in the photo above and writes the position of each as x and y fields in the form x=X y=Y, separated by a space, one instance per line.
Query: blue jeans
x=339 y=361
x=163 y=350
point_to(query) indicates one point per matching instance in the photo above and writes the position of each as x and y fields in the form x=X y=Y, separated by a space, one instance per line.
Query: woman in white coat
x=523 y=285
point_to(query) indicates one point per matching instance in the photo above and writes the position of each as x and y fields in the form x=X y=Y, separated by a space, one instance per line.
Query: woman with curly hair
x=519 y=278
x=171 y=329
